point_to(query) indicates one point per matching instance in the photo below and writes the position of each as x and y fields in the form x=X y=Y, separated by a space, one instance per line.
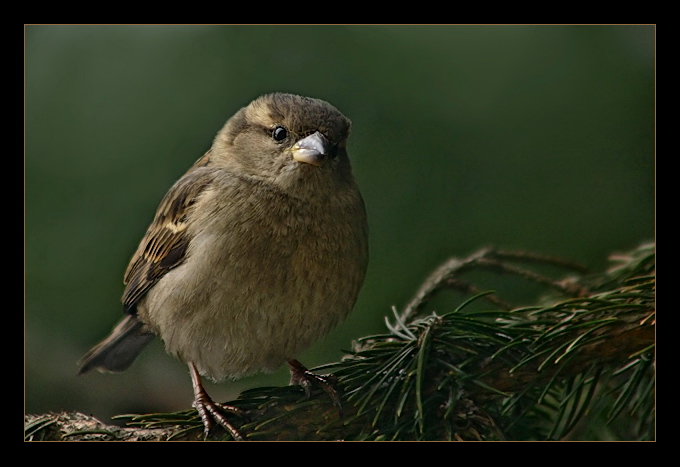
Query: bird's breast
x=264 y=278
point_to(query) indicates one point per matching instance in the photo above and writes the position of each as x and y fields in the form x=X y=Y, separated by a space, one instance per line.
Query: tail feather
x=119 y=350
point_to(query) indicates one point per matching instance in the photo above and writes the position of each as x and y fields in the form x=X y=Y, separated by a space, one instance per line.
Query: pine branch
x=578 y=365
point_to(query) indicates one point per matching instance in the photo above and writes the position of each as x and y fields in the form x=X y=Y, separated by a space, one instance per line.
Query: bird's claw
x=301 y=376
x=211 y=413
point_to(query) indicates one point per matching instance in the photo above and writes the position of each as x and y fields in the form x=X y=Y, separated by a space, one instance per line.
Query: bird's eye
x=279 y=133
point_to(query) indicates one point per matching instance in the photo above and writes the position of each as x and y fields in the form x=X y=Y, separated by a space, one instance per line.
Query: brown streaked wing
x=165 y=243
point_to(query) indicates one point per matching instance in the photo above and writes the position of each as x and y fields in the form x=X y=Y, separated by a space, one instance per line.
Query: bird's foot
x=301 y=376
x=212 y=412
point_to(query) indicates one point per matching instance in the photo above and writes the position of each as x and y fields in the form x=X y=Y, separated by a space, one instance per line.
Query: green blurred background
x=523 y=137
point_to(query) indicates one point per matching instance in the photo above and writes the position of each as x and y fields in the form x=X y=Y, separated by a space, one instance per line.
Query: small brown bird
x=258 y=251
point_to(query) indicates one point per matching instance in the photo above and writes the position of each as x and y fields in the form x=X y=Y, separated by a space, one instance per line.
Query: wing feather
x=165 y=243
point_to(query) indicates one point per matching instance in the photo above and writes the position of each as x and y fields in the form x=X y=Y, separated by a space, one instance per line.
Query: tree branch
x=475 y=373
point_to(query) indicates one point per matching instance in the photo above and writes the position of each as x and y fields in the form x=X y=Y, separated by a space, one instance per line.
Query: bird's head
x=288 y=140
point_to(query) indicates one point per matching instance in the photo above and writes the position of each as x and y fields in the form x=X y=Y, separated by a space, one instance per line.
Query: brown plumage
x=259 y=250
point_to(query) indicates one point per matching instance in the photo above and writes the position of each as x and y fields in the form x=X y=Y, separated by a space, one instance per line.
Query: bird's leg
x=209 y=410
x=300 y=375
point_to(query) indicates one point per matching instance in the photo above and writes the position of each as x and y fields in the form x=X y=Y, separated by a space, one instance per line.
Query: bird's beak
x=314 y=149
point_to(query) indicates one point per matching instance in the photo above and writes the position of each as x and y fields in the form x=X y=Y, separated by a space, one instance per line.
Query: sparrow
x=255 y=253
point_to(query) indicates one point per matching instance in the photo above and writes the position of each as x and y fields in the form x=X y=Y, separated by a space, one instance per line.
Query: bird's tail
x=119 y=350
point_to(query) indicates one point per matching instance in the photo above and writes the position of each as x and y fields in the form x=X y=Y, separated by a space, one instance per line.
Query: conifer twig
x=561 y=369
x=447 y=275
